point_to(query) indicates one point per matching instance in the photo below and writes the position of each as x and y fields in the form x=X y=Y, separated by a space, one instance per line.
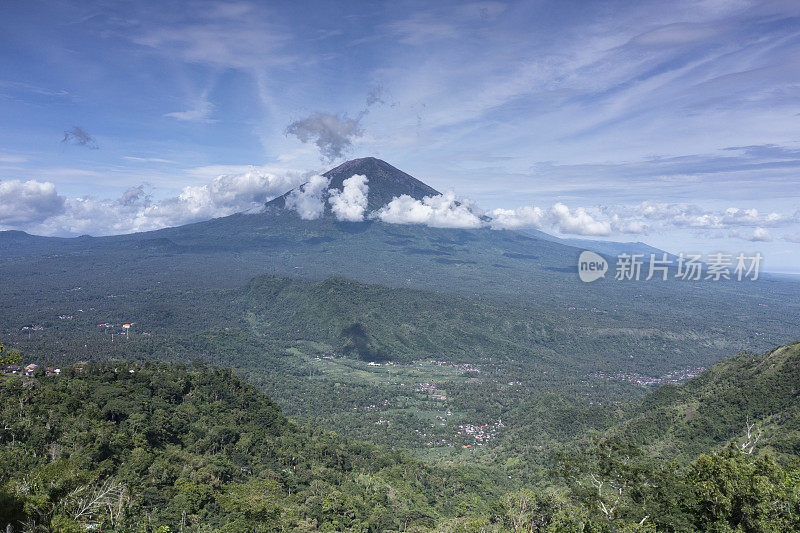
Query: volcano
x=43 y=275
x=385 y=182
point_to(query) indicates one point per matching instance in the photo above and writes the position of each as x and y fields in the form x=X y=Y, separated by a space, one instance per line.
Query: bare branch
x=749 y=445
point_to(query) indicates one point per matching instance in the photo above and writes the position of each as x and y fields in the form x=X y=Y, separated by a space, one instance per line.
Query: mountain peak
x=385 y=182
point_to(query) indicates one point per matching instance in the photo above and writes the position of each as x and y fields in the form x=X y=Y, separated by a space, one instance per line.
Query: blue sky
x=674 y=123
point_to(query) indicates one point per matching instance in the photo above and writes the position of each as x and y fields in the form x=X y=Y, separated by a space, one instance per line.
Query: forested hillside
x=378 y=323
x=158 y=448
x=762 y=391
x=751 y=401
x=137 y=447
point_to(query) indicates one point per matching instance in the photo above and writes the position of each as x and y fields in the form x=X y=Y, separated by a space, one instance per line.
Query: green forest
x=130 y=446
x=190 y=401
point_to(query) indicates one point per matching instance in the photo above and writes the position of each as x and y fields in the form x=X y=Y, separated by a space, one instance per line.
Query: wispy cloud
x=147 y=159
x=332 y=134
x=200 y=113
x=236 y=41
x=23 y=91
x=755 y=235
x=79 y=137
x=8 y=158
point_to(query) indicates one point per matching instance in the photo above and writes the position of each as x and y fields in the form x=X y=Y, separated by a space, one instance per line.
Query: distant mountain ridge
x=385 y=182
x=609 y=248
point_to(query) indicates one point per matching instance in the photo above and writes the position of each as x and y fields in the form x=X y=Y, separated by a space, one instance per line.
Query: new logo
x=591 y=266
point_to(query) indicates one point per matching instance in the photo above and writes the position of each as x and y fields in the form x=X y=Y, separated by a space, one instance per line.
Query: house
x=30 y=369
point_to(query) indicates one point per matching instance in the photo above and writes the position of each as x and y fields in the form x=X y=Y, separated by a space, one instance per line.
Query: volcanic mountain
x=645 y=324
x=385 y=182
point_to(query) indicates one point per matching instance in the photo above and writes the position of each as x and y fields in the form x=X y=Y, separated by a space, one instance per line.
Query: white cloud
x=350 y=203
x=751 y=217
x=621 y=225
x=36 y=207
x=527 y=216
x=224 y=195
x=577 y=221
x=442 y=211
x=200 y=113
x=28 y=202
x=98 y=217
x=756 y=235
x=147 y=159
x=560 y=217
x=639 y=218
x=309 y=199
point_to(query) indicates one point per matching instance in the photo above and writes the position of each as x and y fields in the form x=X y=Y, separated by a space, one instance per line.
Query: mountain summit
x=385 y=182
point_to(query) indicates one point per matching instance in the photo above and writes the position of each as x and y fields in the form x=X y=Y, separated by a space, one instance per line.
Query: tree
x=9 y=357
x=539 y=512
x=611 y=478
x=251 y=506
x=734 y=492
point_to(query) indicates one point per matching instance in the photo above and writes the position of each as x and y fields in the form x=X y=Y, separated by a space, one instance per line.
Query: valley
x=494 y=266
x=464 y=358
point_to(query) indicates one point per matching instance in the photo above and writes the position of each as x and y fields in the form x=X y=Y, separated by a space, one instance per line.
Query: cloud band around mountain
x=37 y=207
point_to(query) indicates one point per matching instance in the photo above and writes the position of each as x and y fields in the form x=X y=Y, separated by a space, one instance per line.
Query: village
x=29 y=369
x=431 y=390
x=464 y=367
x=676 y=376
x=479 y=435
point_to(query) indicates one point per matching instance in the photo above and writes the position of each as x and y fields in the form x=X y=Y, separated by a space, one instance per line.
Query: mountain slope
x=44 y=274
x=716 y=406
x=385 y=182
x=374 y=323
